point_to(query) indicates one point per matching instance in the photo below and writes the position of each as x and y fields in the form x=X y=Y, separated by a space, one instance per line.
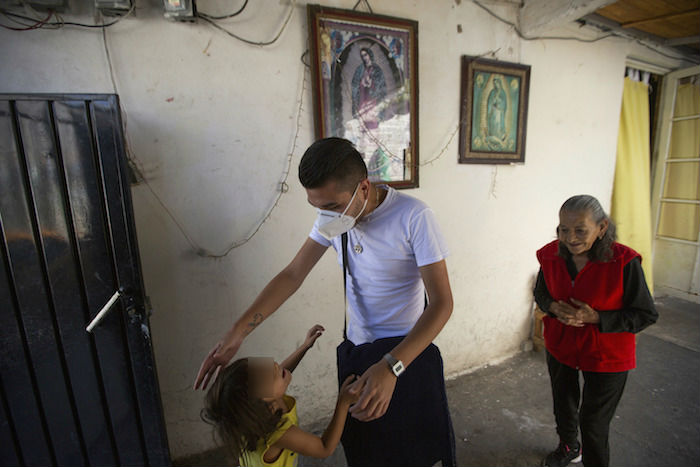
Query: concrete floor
x=502 y=414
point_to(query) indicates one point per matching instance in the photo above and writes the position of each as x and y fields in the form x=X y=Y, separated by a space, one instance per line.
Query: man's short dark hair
x=332 y=159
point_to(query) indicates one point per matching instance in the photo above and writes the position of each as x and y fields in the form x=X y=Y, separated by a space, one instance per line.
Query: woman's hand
x=313 y=334
x=577 y=316
x=585 y=313
x=565 y=313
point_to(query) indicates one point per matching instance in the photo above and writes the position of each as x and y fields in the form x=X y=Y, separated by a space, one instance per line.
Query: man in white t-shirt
x=399 y=299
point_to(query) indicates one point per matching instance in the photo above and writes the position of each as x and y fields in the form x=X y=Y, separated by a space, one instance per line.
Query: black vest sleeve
x=542 y=296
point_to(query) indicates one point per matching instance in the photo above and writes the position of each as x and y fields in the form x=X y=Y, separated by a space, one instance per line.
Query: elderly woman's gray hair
x=602 y=247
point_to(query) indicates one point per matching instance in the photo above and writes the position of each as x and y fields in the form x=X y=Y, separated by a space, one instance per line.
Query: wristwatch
x=396 y=365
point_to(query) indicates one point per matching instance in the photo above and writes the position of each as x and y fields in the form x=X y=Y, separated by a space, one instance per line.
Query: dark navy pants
x=416 y=430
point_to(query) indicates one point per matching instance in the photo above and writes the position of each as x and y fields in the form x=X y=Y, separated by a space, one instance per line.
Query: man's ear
x=365 y=186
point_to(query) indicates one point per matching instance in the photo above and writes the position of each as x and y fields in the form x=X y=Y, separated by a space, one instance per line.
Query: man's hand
x=218 y=358
x=376 y=387
x=275 y=293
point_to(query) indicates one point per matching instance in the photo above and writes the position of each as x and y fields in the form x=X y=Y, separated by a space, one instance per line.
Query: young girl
x=254 y=417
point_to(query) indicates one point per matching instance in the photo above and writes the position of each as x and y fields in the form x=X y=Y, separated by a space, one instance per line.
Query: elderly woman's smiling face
x=578 y=231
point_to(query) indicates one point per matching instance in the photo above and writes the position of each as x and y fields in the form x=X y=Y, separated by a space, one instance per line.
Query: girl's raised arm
x=291 y=362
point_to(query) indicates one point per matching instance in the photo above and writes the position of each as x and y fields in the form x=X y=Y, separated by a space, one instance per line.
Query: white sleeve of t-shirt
x=428 y=243
x=317 y=237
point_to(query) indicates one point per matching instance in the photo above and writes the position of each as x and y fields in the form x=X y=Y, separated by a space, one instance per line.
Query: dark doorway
x=67 y=243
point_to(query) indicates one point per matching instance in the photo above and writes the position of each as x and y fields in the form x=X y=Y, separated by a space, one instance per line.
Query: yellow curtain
x=631 y=205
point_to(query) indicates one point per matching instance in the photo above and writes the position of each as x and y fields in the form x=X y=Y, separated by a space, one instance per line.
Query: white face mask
x=331 y=224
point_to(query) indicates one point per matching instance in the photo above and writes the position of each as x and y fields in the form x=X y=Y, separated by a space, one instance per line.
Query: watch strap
x=395 y=365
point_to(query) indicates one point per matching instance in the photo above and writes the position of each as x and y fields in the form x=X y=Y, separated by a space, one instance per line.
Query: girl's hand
x=348 y=395
x=313 y=334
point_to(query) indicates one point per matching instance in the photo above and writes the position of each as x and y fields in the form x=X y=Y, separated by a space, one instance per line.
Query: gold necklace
x=358 y=246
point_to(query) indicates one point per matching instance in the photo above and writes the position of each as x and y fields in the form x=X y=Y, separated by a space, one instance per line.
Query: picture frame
x=364 y=70
x=493 y=113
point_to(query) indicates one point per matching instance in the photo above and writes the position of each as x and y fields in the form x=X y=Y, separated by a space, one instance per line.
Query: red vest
x=600 y=285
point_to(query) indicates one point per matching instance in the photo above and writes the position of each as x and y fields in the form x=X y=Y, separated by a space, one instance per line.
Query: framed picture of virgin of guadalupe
x=365 y=84
x=493 y=116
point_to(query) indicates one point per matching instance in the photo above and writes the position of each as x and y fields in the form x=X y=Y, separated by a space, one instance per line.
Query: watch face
x=396 y=365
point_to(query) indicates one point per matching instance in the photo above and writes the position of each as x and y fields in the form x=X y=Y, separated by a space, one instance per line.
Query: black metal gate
x=67 y=243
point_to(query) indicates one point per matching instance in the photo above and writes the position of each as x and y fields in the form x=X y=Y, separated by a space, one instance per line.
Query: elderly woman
x=595 y=296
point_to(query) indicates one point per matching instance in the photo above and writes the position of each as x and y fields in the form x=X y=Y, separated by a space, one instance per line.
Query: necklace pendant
x=358 y=248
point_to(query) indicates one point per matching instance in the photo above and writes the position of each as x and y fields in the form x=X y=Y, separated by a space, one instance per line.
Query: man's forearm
x=434 y=317
x=279 y=289
x=424 y=332
x=275 y=293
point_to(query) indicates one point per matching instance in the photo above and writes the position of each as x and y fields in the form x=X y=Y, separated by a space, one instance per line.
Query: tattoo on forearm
x=257 y=319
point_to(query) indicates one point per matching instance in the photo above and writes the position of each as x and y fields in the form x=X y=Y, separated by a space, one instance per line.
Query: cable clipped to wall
x=213 y=21
x=28 y=23
x=283 y=186
x=52 y=20
x=564 y=38
x=231 y=15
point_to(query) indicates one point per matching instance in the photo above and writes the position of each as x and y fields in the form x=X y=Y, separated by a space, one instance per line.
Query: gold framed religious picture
x=365 y=85
x=493 y=116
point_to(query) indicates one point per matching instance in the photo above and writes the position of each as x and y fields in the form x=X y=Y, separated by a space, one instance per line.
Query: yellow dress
x=287 y=458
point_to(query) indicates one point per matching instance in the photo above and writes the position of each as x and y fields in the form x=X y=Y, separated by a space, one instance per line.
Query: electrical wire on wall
x=136 y=165
x=456 y=126
x=537 y=38
x=565 y=38
x=38 y=23
x=26 y=23
x=283 y=186
x=213 y=21
x=230 y=15
x=24 y=26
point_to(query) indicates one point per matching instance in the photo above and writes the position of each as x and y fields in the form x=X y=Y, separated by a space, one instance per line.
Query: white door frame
x=659 y=163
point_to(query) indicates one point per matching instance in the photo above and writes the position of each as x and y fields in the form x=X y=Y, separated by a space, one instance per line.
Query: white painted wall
x=211 y=122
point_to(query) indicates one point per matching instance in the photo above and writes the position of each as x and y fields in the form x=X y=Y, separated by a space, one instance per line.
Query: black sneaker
x=563 y=455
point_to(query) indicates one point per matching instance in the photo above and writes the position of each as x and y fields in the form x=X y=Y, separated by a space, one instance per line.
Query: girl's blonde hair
x=240 y=420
